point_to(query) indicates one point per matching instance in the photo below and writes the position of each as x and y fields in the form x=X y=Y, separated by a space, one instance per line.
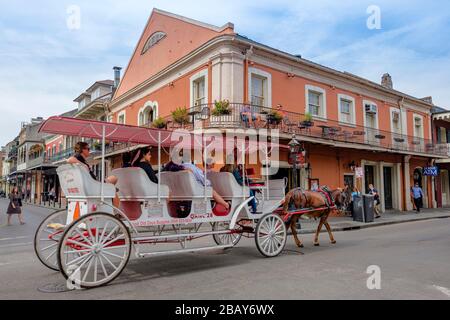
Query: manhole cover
x=54 y=288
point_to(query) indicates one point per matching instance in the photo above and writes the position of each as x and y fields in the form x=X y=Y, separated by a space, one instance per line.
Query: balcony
x=317 y=130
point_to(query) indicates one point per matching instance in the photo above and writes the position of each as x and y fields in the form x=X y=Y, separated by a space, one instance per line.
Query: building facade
x=343 y=121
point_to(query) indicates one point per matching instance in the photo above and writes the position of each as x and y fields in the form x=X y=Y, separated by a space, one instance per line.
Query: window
x=316 y=101
x=153 y=40
x=121 y=118
x=418 y=126
x=396 y=125
x=199 y=88
x=148 y=113
x=260 y=88
x=346 y=109
x=199 y=91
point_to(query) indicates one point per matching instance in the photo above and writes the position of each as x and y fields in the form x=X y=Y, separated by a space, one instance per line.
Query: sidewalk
x=392 y=217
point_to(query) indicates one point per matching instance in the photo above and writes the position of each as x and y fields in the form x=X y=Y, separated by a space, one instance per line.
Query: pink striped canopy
x=139 y=135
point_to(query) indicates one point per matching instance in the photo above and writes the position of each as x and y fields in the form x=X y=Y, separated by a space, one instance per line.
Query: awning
x=181 y=139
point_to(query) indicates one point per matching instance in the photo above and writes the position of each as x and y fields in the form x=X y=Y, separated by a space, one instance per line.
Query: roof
x=88 y=91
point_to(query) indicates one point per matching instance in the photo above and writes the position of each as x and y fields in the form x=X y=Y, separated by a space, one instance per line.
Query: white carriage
x=91 y=242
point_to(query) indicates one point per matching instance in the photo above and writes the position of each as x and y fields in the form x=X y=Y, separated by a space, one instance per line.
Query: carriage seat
x=277 y=189
x=225 y=184
x=76 y=182
x=135 y=185
x=183 y=186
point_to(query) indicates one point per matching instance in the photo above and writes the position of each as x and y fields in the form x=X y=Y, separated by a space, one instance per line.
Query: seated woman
x=199 y=177
x=82 y=152
x=142 y=159
x=236 y=171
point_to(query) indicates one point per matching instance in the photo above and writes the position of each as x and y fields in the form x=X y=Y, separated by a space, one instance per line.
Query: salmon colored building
x=343 y=121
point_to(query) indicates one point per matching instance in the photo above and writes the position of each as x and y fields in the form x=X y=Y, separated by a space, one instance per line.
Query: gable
x=166 y=39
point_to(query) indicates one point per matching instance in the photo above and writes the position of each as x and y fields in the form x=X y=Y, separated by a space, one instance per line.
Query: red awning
x=139 y=135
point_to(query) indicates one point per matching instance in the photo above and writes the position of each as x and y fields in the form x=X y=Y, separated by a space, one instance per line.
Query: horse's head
x=342 y=198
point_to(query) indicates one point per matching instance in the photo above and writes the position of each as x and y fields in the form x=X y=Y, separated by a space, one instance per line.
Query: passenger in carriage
x=82 y=152
x=199 y=177
x=142 y=159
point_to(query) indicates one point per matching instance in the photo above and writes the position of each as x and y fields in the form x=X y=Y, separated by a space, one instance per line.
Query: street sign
x=359 y=172
x=431 y=171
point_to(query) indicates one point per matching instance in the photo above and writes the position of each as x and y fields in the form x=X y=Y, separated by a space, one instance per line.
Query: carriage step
x=170 y=252
x=180 y=235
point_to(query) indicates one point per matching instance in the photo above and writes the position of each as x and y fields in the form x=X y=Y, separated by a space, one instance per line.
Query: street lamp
x=294 y=148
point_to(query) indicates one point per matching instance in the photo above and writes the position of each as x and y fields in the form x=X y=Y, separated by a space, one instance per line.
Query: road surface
x=413 y=259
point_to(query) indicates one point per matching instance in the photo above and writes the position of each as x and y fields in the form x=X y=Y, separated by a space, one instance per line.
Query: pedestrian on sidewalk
x=15 y=206
x=376 y=200
x=417 y=195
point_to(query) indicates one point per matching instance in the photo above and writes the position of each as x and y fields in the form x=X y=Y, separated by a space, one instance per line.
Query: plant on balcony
x=221 y=108
x=275 y=117
x=307 y=120
x=180 y=115
x=159 y=123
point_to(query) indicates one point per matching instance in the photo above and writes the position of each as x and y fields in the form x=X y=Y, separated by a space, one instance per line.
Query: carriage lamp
x=294 y=145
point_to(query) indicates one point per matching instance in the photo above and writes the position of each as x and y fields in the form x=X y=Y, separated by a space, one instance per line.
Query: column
x=406 y=176
x=228 y=76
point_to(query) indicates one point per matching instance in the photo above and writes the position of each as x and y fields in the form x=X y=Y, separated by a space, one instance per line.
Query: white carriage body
x=83 y=193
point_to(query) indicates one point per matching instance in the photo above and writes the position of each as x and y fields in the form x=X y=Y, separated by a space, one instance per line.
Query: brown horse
x=299 y=199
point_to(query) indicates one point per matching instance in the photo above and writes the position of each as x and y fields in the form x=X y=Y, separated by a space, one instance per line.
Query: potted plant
x=307 y=120
x=180 y=115
x=159 y=123
x=221 y=115
x=275 y=117
x=221 y=108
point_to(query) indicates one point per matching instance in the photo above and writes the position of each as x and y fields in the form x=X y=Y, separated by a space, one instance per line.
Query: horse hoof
x=333 y=242
x=316 y=244
x=301 y=246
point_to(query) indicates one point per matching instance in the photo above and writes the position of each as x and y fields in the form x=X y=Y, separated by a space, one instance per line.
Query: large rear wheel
x=270 y=235
x=94 y=250
x=47 y=237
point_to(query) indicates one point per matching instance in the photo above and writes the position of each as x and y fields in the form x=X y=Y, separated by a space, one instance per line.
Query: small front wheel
x=232 y=238
x=94 y=250
x=270 y=235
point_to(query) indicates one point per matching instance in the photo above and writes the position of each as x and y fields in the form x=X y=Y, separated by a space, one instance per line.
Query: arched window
x=153 y=40
x=148 y=114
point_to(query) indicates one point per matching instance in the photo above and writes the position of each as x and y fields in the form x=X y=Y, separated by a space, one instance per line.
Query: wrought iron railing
x=252 y=116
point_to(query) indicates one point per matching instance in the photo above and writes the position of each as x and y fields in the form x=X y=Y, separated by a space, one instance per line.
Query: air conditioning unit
x=371 y=108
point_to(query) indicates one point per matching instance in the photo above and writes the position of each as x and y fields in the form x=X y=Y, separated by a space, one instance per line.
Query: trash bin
x=358 y=212
x=368 y=208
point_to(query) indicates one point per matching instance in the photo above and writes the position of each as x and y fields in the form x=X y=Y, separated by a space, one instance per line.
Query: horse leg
x=294 y=231
x=316 y=237
x=327 y=225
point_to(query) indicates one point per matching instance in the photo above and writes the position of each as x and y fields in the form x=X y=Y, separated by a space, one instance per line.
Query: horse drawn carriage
x=91 y=242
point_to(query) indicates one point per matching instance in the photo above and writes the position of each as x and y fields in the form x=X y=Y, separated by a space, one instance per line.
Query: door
x=387 y=178
x=349 y=180
x=369 y=174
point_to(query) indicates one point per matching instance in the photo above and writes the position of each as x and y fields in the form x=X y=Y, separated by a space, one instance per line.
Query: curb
x=373 y=225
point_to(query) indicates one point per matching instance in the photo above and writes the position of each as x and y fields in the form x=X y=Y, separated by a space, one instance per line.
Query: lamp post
x=294 y=149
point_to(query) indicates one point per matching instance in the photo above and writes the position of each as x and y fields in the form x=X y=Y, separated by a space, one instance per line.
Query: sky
x=48 y=56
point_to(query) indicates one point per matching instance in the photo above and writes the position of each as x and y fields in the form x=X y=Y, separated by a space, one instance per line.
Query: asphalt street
x=413 y=259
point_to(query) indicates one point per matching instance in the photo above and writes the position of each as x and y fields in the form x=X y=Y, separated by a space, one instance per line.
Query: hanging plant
x=275 y=117
x=307 y=120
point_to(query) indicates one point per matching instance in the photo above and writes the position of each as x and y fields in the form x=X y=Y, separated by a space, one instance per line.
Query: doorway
x=349 y=179
x=387 y=179
x=369 y=174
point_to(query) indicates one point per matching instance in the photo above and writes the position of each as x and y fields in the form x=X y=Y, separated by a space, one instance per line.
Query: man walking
x=417 y=194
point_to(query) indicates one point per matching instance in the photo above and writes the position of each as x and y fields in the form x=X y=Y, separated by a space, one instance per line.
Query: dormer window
x=153 y=40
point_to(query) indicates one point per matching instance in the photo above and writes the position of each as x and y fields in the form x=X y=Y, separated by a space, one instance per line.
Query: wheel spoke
x=88 y=268
x=83 y=236
x=112 y=254
x=79 y=259
x=112 y=232
x=50 y=246
x=120 y=237
x=79 y=243
x=103 y=266
x=51 y=254
x=103 y=232
x=109 y=261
